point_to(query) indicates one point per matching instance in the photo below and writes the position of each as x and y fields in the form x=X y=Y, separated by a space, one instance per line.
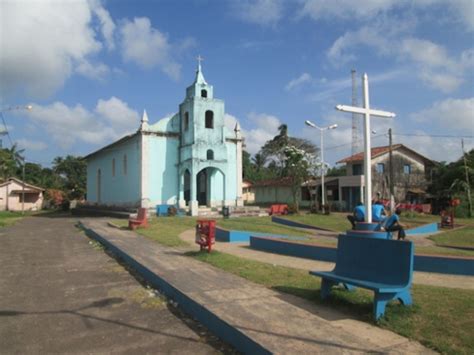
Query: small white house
x=12 y=192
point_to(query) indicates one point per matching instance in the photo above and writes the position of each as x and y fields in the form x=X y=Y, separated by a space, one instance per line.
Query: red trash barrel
x=206 y=233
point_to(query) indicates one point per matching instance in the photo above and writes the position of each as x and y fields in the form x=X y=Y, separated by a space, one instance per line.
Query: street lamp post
x=323 y=172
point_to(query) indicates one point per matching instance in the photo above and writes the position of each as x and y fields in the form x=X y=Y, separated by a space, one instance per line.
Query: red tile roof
x=376 y=151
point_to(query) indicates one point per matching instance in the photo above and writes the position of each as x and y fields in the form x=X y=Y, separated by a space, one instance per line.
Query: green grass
x=164 y=230
x=335 y=221
x=259 y=224
x=440 y=318
x=8 y=218
x=460 y=238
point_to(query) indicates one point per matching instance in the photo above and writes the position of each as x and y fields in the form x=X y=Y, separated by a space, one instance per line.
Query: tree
x=274 y=149
x=73 y=175
x=10 y=160
x=298 y=164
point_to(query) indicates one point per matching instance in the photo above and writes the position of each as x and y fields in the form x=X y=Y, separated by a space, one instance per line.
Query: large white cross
x=366 y=111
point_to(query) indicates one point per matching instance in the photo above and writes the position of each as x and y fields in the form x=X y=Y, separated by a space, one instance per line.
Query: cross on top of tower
x=199 y=59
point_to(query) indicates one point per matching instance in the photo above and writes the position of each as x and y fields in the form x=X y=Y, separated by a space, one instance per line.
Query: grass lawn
x=441 y=318
x=259 y=224
x=8 y=218
x=335 y=221
x=165 y=230
x=460 y=238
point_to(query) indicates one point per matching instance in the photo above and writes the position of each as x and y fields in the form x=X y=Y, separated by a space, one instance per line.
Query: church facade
x=189 y=160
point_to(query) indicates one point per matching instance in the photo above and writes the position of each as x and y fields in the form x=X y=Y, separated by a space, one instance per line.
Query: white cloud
x=106 y=23
x=46 y=41
x=261 y=12
x=29 y=144
x=68 y=125
x=265 y=128
x=117 y=112
x=302 y=79
x=97 y=71
x=346 y=9
x=327 y=88
x=452 y=114
x=457 y=11
x=435 y=67
x=147 y=47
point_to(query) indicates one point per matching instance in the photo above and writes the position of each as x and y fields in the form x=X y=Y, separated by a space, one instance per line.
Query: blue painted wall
x=121 y=188
x=427 y=263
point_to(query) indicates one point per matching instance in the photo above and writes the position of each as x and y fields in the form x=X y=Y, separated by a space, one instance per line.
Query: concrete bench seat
x=381 y=265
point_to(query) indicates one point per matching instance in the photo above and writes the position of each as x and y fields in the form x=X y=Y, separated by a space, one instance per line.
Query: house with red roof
x=411 y=176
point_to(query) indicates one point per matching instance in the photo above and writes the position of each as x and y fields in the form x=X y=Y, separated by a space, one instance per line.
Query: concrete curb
x=219 y=327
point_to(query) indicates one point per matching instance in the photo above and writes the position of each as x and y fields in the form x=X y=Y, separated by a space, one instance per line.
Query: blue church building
x=189 y=160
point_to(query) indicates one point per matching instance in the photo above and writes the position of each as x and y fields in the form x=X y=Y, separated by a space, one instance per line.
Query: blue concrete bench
x=381 y=265
x=162 y=210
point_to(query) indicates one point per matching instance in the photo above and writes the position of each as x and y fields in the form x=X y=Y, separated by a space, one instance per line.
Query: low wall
x=224 y=235
x=424 y=229
x=428 y=263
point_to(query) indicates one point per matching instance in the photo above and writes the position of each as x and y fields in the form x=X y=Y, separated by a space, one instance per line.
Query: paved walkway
x=279 y=323
x=59 y=295
x=243 y=250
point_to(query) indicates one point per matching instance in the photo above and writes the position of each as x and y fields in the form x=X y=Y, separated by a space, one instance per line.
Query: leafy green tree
x=298 y=164
x=72 y=172
x=274 y=149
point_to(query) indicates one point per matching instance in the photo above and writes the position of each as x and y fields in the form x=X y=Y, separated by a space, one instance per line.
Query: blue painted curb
x=216 y=325
x=428 y=263
x=289 y=223
x=424 y=229
x=224 y=235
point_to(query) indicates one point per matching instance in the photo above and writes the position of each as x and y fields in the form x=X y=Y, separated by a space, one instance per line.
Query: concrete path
x=244 y=251
x=59 y=295
x=276 y=322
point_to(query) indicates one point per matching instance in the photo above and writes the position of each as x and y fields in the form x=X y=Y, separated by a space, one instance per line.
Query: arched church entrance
x=210 y=187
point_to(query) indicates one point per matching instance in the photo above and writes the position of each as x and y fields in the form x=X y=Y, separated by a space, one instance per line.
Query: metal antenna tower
x=355 y=117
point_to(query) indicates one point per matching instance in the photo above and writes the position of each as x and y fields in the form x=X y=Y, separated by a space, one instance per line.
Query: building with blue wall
x=190 y=159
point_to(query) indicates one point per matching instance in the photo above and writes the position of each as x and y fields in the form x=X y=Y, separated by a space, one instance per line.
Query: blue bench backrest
x=377 y=260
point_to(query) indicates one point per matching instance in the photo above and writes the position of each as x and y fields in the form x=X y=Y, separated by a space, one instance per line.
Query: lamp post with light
x=323 y=172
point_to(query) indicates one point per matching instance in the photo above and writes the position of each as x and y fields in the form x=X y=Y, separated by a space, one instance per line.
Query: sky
x=90 y=68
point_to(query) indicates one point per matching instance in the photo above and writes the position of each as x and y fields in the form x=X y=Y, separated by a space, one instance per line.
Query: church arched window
x=210 y=155
x=125 y=164
x=203 y=93
x=186 y=121
x=209 y=119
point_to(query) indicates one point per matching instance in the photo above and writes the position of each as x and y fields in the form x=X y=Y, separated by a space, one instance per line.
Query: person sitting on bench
x=358 y=215
x=392 y=224
x=378 y=212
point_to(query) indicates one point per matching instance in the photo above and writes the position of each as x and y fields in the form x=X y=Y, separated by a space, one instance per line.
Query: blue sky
x=90 y=68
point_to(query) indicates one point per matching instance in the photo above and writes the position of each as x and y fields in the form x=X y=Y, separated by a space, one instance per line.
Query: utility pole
x=469 y=202
x=390 y=171
x=23 y=189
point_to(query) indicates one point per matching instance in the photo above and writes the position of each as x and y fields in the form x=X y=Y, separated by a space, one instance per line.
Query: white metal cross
x=199 y=59
x=366 y=111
